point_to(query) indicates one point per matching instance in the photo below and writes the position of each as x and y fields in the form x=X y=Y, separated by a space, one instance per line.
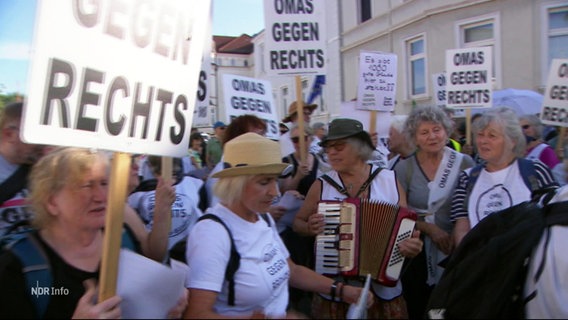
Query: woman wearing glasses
x=348 y=148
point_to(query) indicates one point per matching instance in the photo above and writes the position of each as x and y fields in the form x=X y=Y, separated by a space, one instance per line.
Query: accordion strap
x=342 y=190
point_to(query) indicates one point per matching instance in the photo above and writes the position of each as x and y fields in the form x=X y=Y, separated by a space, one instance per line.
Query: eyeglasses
x=525 y=126
x=337 y=145
x=297 y=139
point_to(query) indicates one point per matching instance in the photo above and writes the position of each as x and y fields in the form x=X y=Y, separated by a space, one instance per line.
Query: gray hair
x=534 y=122
x=397 y=122
x=508 y=120
x=426 y=114
x=361 y=148
x=307 y=130
x=317 y=126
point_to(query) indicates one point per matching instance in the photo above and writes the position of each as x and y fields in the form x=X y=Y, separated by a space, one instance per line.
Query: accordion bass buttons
x=396 y=260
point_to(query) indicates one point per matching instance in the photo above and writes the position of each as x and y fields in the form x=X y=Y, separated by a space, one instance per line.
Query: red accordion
x=361 y=237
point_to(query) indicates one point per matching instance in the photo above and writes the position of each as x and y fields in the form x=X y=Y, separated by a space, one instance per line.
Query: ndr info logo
x=48 y=291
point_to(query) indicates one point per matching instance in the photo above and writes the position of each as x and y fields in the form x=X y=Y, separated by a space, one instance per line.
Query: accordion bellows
x=361 y=237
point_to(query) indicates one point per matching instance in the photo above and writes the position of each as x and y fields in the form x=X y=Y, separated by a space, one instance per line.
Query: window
x=364 y=10
x=482 y=32
x=416 y=65
x=557 y=36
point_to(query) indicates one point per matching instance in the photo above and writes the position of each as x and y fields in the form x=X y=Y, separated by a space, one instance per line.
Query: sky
x=230 y=18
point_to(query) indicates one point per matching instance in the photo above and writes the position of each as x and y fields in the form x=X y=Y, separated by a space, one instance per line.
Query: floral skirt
x=381 y=309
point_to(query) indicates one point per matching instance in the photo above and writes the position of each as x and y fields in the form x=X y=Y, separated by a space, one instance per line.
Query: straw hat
x=251 y=154
x=293 y=108
x=345 y=128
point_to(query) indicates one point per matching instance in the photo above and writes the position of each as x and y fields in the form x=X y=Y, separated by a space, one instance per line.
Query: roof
x=238 y=45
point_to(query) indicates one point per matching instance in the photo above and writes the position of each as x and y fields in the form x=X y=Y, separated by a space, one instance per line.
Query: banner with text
x=555 y=105
x=439 y=87
x=295 y=37
x=120 y=76
x=202 y=111
x=245 y=95
x=377 y=81
x=468 y=73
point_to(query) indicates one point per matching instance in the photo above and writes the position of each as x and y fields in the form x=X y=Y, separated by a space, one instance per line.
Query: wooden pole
x=468 y=126
x=373 y=124
x=113 y=224
x=300 y=112
x=560 y=143
x=167 y=168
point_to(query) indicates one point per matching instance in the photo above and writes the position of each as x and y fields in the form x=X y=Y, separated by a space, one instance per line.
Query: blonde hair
x=53 y=172
x=229 y=190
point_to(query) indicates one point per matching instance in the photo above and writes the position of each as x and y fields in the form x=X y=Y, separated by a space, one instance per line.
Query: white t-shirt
x=15 y=209
x=185 y=209
x=495 y=191
x=261 y=282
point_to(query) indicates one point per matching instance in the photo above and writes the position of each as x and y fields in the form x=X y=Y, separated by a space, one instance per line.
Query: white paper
x=359 y=310
x=148 y=289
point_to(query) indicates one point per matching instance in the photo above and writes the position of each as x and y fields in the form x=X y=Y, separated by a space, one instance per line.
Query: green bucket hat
x=345 y=128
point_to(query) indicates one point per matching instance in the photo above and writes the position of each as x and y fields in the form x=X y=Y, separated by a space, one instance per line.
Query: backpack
x=485 y=275
x=178 y=252
x=35 y=265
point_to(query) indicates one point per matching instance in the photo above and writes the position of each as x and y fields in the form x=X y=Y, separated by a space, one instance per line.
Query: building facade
x=525 y=35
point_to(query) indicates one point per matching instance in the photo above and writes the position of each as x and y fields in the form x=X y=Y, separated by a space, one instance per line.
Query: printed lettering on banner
x=120 y=76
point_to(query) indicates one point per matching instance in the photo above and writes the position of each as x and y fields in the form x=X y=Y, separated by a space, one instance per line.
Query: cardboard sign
x=296 y=37
x=468 y=73
x=377 y=81
x=555 y=104
x=245 y=95
x=116 y=75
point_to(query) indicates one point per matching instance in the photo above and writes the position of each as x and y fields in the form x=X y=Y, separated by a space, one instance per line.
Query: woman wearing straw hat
x=348 y=148
x=246 y=188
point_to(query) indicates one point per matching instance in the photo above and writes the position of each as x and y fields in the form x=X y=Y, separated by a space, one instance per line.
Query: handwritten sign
x=244 y=95
x=468 y=73
x=555 y=104
x=120 y=76
x=296 y=38
x=377 y=81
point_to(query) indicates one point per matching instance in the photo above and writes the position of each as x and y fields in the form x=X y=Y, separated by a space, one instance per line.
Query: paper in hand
x=359 y=310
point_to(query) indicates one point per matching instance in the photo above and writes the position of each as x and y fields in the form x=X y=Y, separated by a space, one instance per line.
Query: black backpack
x=484 y=277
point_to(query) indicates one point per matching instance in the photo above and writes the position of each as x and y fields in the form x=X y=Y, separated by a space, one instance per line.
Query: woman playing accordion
x=348 y=148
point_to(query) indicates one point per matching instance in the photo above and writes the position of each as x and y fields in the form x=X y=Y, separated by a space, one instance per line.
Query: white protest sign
x=439 y=81
x=201 y=114
x=296 y=38
x=555 y=104
x=377 y=81
x=116 y=75
x=245 y=95
x=468 y=73
x=439 y=87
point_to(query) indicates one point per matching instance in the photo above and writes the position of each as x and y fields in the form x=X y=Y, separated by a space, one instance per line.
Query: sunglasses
x=337 y=145
x=526 y=126
x=297 y=139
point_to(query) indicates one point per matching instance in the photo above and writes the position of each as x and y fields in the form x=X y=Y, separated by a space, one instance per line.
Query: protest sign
x=244 y=95
x=468 y=73
x=377 y=81
x=296 y=38
x=112 y=75
x=555 y=105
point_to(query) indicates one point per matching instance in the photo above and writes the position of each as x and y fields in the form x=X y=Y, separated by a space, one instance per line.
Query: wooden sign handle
x=300 y=112
x=113 y=224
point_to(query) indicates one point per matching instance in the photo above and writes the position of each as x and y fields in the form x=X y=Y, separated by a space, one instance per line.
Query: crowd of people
x=57 y=197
